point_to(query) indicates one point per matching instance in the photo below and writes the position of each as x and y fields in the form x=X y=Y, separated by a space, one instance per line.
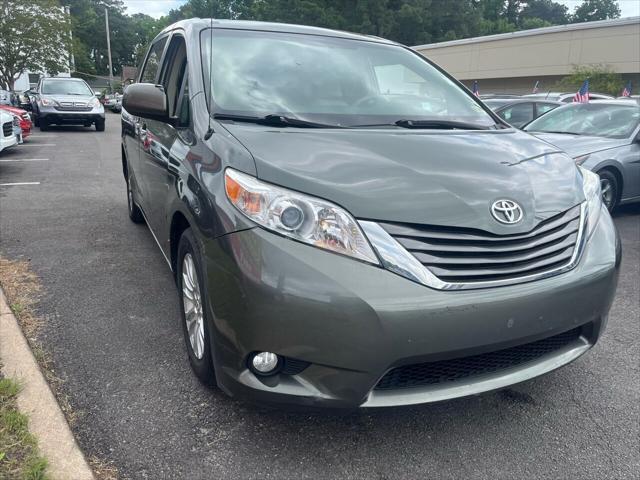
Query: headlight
x=593 y=196
x=94 y=102
x=298 y=216
x=46 y=102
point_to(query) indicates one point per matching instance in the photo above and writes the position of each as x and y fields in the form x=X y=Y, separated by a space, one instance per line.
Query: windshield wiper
x=274 y=120
x=440 y=124
x=553 y=131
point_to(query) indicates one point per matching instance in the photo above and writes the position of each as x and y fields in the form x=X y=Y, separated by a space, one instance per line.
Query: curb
x=46 y=420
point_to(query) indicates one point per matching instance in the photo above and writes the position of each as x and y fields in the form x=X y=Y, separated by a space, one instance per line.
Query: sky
x=158 y=8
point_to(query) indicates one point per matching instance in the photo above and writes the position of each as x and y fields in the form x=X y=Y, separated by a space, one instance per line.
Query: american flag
x=582 y=96
x=535 y=87
x=626 y=92
x=476 y=90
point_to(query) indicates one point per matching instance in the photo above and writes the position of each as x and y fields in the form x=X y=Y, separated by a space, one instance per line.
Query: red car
x=25 y=119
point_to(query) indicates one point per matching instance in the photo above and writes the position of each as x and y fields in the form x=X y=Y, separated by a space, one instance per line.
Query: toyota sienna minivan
x=349 y=226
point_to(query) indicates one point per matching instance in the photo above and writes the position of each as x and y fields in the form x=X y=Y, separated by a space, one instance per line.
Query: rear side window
x=545 y=107
x=518 y=114
x=150 y=70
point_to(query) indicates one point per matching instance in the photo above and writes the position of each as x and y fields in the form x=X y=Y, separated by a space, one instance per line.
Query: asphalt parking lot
x=112 y=328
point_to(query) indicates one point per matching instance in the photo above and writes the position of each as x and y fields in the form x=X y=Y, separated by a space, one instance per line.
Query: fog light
x=265 y=362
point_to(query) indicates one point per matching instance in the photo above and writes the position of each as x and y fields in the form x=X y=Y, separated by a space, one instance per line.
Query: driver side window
x=175 y=80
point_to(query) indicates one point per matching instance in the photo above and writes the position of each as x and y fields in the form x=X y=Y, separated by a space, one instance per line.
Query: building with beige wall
x=513 y=62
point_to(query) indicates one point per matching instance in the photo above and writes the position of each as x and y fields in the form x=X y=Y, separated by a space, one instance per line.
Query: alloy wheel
x=192 y=302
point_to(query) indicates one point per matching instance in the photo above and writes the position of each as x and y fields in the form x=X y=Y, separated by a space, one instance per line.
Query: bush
x=602 y=79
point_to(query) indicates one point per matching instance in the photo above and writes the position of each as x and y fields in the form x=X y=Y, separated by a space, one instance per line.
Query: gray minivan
x=349 y=226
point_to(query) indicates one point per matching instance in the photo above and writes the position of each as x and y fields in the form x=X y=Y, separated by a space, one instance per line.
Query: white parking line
x=38 y=145
x=25 y=160
x=18 y=183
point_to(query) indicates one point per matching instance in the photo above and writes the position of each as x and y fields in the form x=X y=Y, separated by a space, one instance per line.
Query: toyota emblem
x=506 y=211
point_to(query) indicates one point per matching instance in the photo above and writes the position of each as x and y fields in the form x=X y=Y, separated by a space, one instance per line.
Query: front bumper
x=52 y=115
x=354 y=322
x=6 y=142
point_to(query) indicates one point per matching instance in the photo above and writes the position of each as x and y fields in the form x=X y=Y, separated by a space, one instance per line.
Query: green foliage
x=411 y=22
x=601 y=80
x=32 y=35
x=18 y=448
x=591 y=10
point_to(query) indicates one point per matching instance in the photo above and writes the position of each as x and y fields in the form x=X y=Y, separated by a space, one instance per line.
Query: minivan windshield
x=596 y=119
x=65 y=87
x=329 y=80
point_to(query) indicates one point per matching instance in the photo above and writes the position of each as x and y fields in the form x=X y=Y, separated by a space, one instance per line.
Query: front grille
x=422 y=374
x=465 y=255
x=7 y=129
x=73 y=108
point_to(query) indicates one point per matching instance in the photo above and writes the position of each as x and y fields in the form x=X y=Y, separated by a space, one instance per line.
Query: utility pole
x=72 y=61
x=106 y=19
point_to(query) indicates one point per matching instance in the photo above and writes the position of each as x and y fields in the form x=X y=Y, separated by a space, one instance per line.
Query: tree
x=33 y=36
x=551 y=12
x=602 y=79
x=591 y=10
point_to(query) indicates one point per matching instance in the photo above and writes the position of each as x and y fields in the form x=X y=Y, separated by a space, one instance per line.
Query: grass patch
x=19 y=457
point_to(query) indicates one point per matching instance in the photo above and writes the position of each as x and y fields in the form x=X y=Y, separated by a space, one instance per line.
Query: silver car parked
x=66 y=101
x=602 y=136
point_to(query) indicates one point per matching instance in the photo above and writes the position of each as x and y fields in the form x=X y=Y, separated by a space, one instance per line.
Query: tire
x=100 y=125
x=44 y=125
x=135 y=214
x=200 y=359
x=36 y=120
x=610 y=189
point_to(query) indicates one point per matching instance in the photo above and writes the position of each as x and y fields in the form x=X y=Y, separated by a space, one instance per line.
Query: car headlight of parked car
x=94 y=102
x=47 y=102
x=593 y=196
x=298 y=216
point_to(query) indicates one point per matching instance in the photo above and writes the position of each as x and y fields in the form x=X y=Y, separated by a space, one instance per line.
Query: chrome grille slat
x=467 y=256
x=524 y=267
x=530 y=254
x=479 y=247
x=450 y=234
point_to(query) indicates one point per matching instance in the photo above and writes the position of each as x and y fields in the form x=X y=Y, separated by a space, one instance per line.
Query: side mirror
x=146 y=100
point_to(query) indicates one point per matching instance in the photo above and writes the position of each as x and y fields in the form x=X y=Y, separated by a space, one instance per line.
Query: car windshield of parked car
x=330 y=80
x=596 y=119
x=65 y=87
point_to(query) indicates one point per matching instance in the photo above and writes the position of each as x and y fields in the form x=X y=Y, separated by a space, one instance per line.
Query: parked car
x=603 y=136
x=24 y=119
x=361 y=231
x=117 y=107
x=7 y=135
x=498 y=96
x=518 y=112
x=66 y=101
x=566 y=97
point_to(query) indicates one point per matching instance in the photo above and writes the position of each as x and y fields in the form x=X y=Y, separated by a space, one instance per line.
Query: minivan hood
x=430 y=177
x=577 y=145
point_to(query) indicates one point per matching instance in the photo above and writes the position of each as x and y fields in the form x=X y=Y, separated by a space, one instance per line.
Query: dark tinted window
x=153 y=61
x=518 y=114
x=545 y=107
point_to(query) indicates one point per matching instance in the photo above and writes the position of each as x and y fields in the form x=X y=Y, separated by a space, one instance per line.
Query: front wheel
x=100 y=125
x=193 y=303
x=609 y=187
x=44 y=125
